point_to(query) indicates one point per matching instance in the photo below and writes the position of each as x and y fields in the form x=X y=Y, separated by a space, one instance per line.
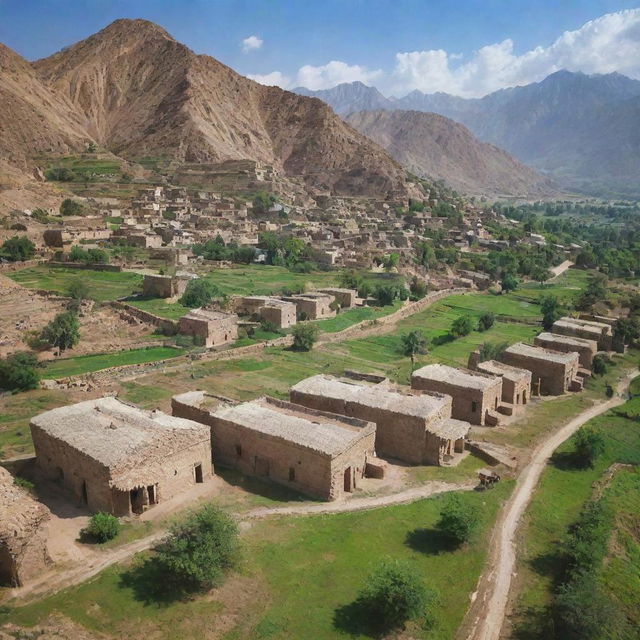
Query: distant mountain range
x=584 y=130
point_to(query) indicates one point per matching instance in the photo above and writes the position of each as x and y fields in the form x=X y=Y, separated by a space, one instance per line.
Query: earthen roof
x=450 y=428
x=540 y=353
x=496 y=368
x=568 y=340
x=584 y=325
x=208 y=315
x=458 y=377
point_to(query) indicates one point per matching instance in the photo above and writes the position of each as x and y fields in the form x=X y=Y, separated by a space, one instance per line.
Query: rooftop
x=493 y=367
x=451 y=429
x=540 y=353
x=208 y=315
x=419 y=405
x=588 y=325
x=457 y=377
x=315 y=430
x=568 y=340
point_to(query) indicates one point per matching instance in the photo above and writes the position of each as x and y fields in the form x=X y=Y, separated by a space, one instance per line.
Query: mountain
x=348 y=97
x=139 y=93
x=435 y=147
x=580 y=129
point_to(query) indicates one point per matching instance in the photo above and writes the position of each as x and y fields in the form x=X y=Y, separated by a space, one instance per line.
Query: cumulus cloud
x=273 y=79
x=252 y=43
x=606 y=44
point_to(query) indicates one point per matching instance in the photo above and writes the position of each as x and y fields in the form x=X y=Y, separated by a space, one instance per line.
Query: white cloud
x=606 y=44
x=273 y=79
x=252 y=43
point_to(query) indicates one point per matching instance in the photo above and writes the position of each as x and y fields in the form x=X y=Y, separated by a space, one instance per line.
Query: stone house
x=320 y=454
x=552 y=372
x=312 y=306
x=585 y=349
x=346 y=297
x=117 y=458
x=516 y=384
x=411 y=427
x=209 y=328
x=476 y=396
x=269 y=309
x=601 y=332
x=23 y=545
x=157 y=286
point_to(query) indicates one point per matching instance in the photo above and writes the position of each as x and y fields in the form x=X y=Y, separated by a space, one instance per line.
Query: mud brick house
x=345 y=297
x=157 y=286
x=317 y=453
x=117 y=458
x=312 y=306
x=198 y=405
x=411 y=427
x=476 y=396
x=516 y=384
x=274 y=310
x=209 y=328
x=585 y=349
x=552 y=372
x=601 y=332
x=23 y=548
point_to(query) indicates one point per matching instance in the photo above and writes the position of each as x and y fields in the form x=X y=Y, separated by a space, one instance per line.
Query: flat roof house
x=476 y=396
x=274 y=310
x=346 y=297
x=120 y=459
x=552 y=372
x=516 y=383
x=601 y=332
x=312 y=306
x=585 y=349
x=414 y=428
x=314 y=452
x=209 y=328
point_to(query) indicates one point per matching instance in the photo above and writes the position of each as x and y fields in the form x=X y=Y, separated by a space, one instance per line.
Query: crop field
x=160 y=307
x=103 y=285
x=287 y=586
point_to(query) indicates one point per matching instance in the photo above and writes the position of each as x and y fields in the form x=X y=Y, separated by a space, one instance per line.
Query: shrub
x=18 y=248
x=71 y=207
x=395 y=594
x=589 y=445
x=63 y=331
x=102 y=527
x=304 y=336
x=199 y=550
x=599 y=365
x=199 y=293
x=462 y=326
x=486 y=321
x=61 y=174
x=78 y=289
x=418 y=287
x=509 y=283
x=19 y=372
x=459 y=519
x=386 y=294
x=551 y=312
x=492 y=350
x=413 y=343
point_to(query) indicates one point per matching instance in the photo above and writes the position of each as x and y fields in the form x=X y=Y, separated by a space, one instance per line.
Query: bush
x=599 y=366
x=199 y=550
x=18 y=248
x=551 y=312
x=418 y=287
x=199 y=293
x=459 y=519
x=486 y=321
x=19 y=372
x=386 y=294
x=63 y=331
x=395 y=594
x=71 y=207
x=492 y=350
x=102 y=527
x=462 y=326
x=78 y=289
x=509 y=283
x=589 y=445
x=304 y=336
x=61 y=174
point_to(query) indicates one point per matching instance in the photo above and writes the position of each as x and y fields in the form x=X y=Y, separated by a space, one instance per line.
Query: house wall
x=552 y=377
x=601 y=334
x=346 y=298
x=212 y=333
x=585 y=352
x=314 y=308
x=470 y=405
x=282 y=317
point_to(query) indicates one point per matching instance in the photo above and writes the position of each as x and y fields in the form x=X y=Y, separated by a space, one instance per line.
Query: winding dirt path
x=486 y=617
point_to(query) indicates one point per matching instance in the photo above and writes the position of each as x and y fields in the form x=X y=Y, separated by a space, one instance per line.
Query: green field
x=86 y=364
x=349 y=317
x=299 y=577
x=160 y=307
x=103 y=285
x=556 y=504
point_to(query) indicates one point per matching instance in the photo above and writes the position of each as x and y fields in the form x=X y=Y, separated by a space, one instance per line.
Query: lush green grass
x=300 y=572
x=556 y=504
x=103 y=285
x=160 y=307
x=349 y=317
x=566 y=287
x=86 y=364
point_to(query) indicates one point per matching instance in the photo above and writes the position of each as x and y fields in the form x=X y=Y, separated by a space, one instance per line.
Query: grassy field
x=160 y=307
x=103 y=285
x=94 y=362
x=566 y=287
x=562 y=492
x=299 y=577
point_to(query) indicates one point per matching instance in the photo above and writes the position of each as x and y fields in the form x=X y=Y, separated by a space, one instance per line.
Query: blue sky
x=467 y=47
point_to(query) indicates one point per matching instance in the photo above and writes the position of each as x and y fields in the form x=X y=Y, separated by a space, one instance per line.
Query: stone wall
x=551 y=378
x=168 y=327
x=586 y=349
x=91 y=266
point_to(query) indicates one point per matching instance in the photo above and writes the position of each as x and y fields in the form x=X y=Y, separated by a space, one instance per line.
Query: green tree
x=386 y=294
x=60 y=174
x=599 y=366
x=462 y=326
x=63 y=331
x=78 y=289
x=540 y=274
x=589 y=445
x=71 y=207
x=425 y=254
x=486 y=321
x=19 y=372
x=492 y=350
x=595 y=291
x=263 y=201
x=102 y=527
x=304 y=336
x=413 y=344
x=199 y=550
x=509 y=283
x=350 y=279
x=550 y=307
x=17 y=249
x=459 y=519
x=91 y=147
x=390 y=261
x=394 y=594
x=199 y=293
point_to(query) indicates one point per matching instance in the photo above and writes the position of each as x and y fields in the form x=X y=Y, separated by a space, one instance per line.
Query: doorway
x=151 y=492
x=348 y=479
x=198 y=472
x=137 y=500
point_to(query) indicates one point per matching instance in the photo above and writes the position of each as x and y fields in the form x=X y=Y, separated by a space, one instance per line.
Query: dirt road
x=560 y=269
x=488 y=610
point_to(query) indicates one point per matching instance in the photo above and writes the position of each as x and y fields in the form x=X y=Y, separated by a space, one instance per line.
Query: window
x=474 y=406
x=292 y=474
x=239 y=451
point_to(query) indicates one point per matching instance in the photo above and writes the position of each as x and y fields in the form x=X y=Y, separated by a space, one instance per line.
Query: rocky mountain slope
x=138 y=93
x=435 y=147
x=349 y=97
x=581 y=129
